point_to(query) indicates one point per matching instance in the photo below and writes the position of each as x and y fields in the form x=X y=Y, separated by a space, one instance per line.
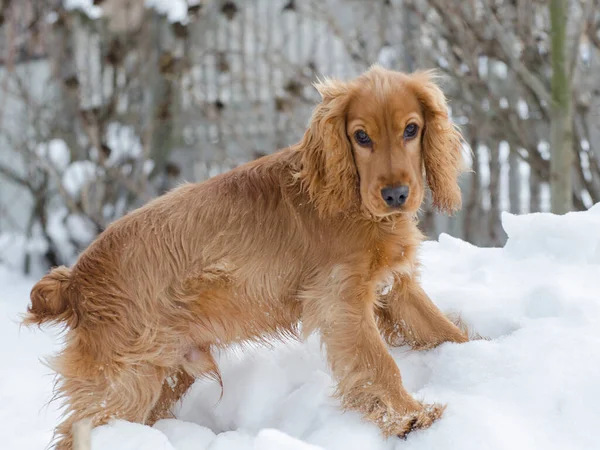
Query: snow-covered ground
x=535 y=384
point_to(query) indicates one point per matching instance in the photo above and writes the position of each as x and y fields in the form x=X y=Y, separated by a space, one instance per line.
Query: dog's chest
x=389 y=250
x=391 y=254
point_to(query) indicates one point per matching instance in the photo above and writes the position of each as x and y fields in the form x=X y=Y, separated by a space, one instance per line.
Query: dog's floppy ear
x=442 y=144
x=328 y=170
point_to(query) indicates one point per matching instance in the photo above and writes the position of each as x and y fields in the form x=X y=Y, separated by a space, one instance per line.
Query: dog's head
x=373 y=140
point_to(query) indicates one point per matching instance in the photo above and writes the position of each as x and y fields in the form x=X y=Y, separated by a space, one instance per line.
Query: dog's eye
x=362 y=138
x=410 y=131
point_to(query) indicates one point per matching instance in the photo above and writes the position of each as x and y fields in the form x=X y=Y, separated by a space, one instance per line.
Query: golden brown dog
x=307 y=235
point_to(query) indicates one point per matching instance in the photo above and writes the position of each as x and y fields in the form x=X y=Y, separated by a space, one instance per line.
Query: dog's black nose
x=395 y=196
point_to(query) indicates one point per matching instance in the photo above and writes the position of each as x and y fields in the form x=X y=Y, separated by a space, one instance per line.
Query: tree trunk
x=494 y=188
x=561 y=133
x=409 y=30
x=514 y=182
x=472 y=217
x=534 y=191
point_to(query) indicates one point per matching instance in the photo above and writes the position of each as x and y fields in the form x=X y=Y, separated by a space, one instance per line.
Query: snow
x=388 y=57
x=25 y=383
x=531 y=384
x=500 y=69
x=77 y=175
x=175 y=10
x=85 y=6
x=123 y=142
x=56 y=152
x=15 y=246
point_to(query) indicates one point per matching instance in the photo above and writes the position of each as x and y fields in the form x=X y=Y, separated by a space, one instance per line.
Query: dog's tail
x=52 y=300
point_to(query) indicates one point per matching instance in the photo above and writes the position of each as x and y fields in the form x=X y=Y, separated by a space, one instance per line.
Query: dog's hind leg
x=173 y=388
x=104 y=392
x=198 y=362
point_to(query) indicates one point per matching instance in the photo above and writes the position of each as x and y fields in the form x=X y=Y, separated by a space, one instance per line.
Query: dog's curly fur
x=302 y=236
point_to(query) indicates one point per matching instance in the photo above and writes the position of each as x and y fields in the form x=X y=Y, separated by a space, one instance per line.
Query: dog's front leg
x=408 y=316
x=368 y=378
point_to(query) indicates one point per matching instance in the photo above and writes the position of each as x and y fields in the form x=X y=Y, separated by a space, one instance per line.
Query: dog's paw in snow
x=400 y=424
x=418 y=419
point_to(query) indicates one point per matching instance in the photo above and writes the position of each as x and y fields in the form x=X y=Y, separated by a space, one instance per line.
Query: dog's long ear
x=442 y=144
x=328 y=170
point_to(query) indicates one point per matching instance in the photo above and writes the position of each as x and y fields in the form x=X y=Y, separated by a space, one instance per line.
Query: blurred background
x=105 y=104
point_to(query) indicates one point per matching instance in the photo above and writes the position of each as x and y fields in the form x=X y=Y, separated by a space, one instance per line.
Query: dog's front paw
x=419 y=419
x=416 y=416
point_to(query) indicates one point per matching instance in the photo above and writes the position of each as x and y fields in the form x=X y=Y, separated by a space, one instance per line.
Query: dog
x=303 y=240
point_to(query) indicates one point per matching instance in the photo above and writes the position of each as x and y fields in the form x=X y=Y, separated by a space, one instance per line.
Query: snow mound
x=532 y=384
x=572 y=237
